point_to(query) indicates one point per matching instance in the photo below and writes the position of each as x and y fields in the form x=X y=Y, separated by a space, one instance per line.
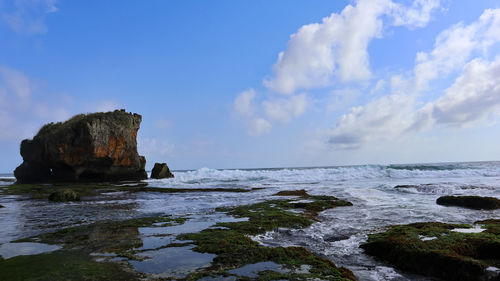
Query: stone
x=450 y=255
x=64 y=195
x=88 y=147
x=471 y=202
x=161 y=171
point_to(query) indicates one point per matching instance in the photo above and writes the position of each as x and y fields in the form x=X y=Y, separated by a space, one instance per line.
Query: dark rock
x=299 y=192
x=471 y=202
x=87 y=147
x=406 y=186
x=445 y=254
x=1 y=206
x=64 y=195
x=161 y=171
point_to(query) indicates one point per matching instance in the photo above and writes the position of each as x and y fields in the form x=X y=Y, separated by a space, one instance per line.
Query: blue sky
x=238 y=84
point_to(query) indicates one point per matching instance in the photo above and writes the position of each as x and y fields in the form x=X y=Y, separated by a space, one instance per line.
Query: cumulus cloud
x=243 y=104
x=337 y=47
x=258 y=127
x=383 y=118
x=473 y=97
x=418 y=15
x=454 y=47
x=284 y=109
x=27 y=16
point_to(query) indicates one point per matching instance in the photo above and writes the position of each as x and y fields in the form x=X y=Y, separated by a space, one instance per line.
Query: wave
x=333 y=174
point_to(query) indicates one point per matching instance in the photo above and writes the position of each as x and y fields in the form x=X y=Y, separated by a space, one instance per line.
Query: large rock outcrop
x=87 y=147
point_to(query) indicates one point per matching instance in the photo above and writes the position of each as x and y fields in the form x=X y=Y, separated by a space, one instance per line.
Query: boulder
x=87 y=147
x=161 y=171
x=64 y=195
x=471 y=202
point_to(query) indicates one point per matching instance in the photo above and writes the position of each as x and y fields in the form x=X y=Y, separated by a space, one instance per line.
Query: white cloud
x=383 y=118
x=258 y=127
x=27 y=16
x=243 y=104
x=284 y=109
x=337 y=47
x=418 y=15
x=454 y=46
x=474 y=96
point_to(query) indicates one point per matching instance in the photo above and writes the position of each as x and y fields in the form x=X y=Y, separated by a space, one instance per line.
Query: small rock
x=406 y=186
x=1 y=206
x=299 y=192
x=64 y=195
x=161 y=171
x=471 y=202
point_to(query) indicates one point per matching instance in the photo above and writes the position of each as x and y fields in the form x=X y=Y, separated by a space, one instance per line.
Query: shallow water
x=9 y=250
x=377 y=205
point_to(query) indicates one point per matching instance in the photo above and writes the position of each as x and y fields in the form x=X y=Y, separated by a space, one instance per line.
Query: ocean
x=377 y=204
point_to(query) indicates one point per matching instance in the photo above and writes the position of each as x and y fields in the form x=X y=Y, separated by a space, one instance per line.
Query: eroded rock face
x=87 y=147
x=161 y=171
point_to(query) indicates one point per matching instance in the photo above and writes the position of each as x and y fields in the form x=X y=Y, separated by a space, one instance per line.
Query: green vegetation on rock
x=64 y=195
x=234 y=248
x=61 y=265
x=433 y=249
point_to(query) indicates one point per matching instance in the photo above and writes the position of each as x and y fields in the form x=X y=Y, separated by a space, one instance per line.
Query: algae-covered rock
x=64 y=195
x=87 y=147
x=300 y=192
x=161 y=171
x=440 y=250
x=471 y=202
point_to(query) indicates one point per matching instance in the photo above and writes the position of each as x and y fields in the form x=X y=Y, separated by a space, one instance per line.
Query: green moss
x=233 y=247
x=450 y=256
x=120 y=117
x=43 y=191
x=61 y=265
x=299 y=192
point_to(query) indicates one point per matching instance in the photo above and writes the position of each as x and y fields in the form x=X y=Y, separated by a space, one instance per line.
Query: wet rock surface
x=446 y=251
x=64 y=195
x=87 y=147
x=471 y=202
x=161 y=171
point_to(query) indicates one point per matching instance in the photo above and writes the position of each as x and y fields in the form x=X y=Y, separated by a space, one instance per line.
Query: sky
x=248 y=84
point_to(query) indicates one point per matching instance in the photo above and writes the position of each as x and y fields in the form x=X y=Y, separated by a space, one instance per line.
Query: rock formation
x=160 y=171
x=471 y=202
x=87 y=147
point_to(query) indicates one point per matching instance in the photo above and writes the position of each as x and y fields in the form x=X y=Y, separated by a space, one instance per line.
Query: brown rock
x=87 y=147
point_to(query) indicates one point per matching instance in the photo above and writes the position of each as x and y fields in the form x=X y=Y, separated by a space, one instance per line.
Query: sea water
x=338 y=234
